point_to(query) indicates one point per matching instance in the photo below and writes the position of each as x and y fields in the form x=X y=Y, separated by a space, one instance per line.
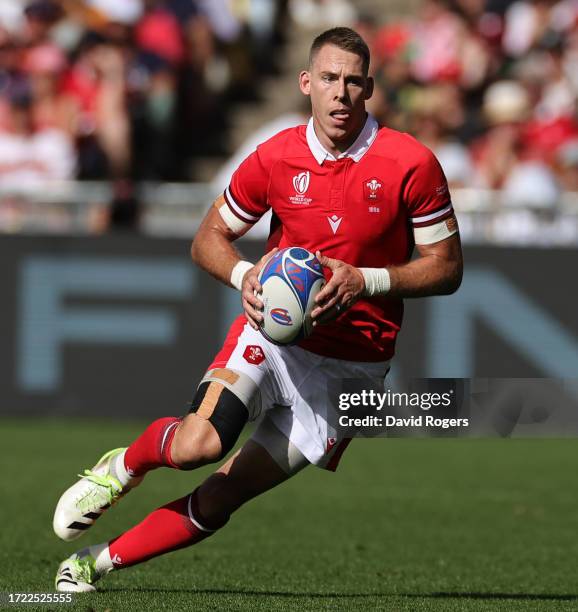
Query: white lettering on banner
x=489 y=296
x=47 y=324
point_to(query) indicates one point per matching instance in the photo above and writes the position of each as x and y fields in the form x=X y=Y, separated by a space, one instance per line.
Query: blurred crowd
x=491 y=86
x=132 y=90
x=125 y=89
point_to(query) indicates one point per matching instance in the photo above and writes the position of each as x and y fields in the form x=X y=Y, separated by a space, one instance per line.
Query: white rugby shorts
x=293 y=383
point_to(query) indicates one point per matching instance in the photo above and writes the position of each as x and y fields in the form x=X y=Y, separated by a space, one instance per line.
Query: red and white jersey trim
x=438 y=215
x=237 y=210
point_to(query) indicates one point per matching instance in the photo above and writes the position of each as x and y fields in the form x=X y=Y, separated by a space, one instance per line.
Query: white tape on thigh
x=243 y=386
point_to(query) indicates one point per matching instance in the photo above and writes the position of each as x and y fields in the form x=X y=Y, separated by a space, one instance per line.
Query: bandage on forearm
x=377 y=281
x=238 y=272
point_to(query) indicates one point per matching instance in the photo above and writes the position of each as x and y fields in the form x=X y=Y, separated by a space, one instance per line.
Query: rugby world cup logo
x=301 y=182
x=301 y=185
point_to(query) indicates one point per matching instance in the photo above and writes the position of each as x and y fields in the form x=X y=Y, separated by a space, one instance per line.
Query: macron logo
x=335 y=222
x=116 y=560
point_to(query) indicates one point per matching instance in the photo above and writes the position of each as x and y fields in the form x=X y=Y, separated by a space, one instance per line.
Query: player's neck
x=336 y=148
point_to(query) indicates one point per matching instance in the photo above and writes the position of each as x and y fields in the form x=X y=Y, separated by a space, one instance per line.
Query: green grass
x=403 y=525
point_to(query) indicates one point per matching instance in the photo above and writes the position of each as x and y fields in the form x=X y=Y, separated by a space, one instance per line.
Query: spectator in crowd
x=438 y=116
x=567 y=165
x=31 y=154
x=320 y=14
x=95 y=87
x=506 y=109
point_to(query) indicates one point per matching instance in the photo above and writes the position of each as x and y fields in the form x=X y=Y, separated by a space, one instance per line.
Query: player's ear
x=305 y=82
x=369 y=87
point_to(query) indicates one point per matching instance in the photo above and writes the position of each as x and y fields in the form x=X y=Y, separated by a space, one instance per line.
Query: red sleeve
x=426 y=192
x=246 y=195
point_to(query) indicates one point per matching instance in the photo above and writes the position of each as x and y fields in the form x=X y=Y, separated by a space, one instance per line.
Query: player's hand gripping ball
x=290 y=280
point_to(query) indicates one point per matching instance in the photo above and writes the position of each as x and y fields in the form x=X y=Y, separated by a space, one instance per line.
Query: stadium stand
x=164 y=91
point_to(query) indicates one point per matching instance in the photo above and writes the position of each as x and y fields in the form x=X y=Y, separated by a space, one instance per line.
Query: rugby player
x=361 y=195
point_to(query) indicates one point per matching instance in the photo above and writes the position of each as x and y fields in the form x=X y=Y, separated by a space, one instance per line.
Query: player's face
x=338 y=88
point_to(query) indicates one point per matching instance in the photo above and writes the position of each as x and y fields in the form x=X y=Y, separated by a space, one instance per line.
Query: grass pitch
x=403 y=525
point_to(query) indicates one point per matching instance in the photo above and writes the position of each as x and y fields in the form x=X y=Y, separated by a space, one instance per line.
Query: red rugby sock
x=166 y=529
x=152 y=449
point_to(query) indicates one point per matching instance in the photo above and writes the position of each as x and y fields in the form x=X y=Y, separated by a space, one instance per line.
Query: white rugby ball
x=290 y=280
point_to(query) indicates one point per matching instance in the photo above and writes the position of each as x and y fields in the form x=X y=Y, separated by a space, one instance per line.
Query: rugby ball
x=290 y=280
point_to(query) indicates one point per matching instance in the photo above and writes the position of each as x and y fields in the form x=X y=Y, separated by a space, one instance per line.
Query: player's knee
x=225 y=399
x=223 y=403
x=196 y=443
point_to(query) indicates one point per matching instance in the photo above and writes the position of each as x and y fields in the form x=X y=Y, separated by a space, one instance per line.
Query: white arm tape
x=436 y=232
x=237 y=273
x=377 y=281
x=232 y=221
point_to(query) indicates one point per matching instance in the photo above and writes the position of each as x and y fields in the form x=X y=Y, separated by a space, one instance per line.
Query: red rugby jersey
x=359 y=208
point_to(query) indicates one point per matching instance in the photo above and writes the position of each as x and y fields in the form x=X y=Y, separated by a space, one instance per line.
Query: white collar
x=356 y=151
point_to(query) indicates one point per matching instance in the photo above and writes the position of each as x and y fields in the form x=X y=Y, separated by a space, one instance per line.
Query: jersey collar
x=356 y=151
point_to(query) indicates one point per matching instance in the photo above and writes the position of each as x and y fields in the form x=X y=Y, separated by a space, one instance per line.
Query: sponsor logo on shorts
x=254 y=354
x=281 y=316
